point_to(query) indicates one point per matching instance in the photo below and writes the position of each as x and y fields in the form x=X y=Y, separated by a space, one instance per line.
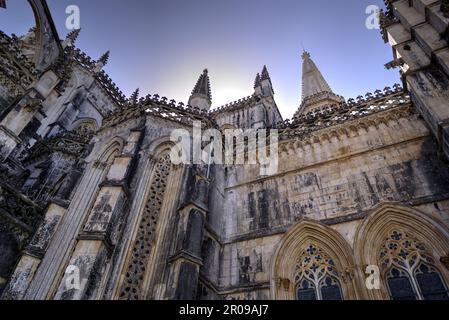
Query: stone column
x=187 y=260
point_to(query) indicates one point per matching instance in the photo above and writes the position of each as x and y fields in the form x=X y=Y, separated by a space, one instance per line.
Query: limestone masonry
x=88 y=191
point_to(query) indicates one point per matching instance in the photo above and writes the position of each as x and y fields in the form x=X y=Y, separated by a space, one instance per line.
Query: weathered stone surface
x=353 y=177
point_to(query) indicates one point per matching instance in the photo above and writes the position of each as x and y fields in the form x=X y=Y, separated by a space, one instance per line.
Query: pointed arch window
x=316 y=276
x=410 y=271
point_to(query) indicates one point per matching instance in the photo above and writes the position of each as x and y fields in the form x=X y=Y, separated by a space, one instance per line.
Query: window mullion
x=318 y=291
x=416 y=287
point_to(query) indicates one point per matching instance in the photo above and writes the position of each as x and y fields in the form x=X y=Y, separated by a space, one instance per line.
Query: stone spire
x=316 y=92
x=201 y=95
x=266 y=87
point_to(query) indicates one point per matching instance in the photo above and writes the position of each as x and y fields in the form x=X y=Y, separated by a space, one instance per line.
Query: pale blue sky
x=162 y=46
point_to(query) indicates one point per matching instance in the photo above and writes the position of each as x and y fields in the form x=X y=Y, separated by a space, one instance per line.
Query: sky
x=162 y=46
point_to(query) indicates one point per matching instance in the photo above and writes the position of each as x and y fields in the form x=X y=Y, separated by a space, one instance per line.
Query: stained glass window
x=306 y=291
x=410 y=270
x=399 y=285
x=430 y=283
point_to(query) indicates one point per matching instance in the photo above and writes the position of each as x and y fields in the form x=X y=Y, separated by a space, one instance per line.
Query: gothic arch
x=107 y=153
x=158 y=188
x=289 y=251
x=159 y=145
x=48 y=45
x=390 y=217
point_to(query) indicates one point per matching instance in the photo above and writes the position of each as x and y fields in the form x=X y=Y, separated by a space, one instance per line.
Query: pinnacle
x=313 y=81
x=305 y=55
x=257 y=81
x=134 y=96
x=104 y=58
x=73 y=35
x=203 y=85
x=265 y=75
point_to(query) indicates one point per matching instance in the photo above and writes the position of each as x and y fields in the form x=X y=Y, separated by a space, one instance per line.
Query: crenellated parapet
x=293 y=139
x=346 y=111
x=235 y=105
x=160 y=107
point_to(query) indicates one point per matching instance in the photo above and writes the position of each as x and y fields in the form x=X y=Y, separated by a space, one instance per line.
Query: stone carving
x=19 y=207
x=141 y=249
x=314 y=265
x=16 y=71
x=403 y=251
x=316 y=269
x=338 y=159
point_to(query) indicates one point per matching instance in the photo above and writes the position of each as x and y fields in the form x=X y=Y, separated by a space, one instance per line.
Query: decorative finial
x=73 y=35
x=201 y=96
x=265 y=75
x=305 y=55
x=257 y=81
x=104 y=58
x=134 y=96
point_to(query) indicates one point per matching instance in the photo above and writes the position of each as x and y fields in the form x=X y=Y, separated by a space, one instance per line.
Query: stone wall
x=335 y=181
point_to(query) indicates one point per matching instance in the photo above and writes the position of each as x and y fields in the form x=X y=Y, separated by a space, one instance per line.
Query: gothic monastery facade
x=88 y=188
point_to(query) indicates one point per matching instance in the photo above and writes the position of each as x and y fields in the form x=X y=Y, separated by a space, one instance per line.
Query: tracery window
x=316 y=276
x=136 y=269
x=410 y=271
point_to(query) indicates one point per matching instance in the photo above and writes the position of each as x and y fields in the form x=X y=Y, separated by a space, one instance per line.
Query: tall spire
x=316 y=92
x=201 y=95
x=313 y=81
